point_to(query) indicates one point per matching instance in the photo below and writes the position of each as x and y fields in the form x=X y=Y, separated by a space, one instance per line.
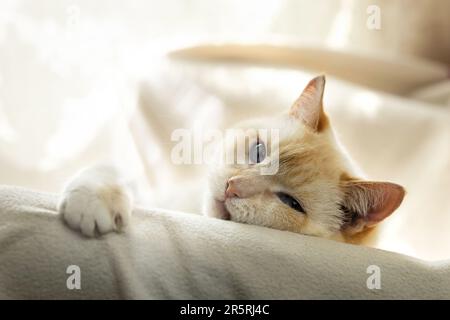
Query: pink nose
x=232 y=190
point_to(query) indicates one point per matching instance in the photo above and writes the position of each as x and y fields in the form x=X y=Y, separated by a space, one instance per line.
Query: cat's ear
x=366 y=203
x=308 y=108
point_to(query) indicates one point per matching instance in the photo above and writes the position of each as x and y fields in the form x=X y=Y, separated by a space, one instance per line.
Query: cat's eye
x=257 y=152
x=290 y=201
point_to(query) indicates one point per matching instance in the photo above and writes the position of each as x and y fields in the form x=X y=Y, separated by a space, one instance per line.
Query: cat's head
x=315 y=190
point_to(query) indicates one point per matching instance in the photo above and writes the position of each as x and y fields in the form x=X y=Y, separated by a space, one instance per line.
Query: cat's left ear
x=308 y=108
x=367 y=203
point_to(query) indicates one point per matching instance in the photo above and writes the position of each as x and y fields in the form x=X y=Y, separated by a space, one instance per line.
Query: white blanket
x=175 y=255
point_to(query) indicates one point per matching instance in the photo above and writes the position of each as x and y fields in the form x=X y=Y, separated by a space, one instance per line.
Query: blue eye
x=290 y=201
x=257 y=152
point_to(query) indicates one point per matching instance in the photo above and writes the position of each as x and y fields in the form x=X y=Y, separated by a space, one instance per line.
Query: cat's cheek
x=233 y=210
x=317 y=229
x=244 y=211
x=265 y=212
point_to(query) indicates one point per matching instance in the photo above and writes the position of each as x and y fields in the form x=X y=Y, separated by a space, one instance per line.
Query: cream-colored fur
x=97 y=201
x=313 y=168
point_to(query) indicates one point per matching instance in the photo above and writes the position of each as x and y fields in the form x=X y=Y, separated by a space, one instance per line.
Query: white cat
x=315 y=190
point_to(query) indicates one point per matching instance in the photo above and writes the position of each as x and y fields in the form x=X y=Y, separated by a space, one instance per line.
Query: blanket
x=173 y=255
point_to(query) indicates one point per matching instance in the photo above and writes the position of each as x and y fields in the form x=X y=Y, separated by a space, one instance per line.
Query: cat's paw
x=96 y=210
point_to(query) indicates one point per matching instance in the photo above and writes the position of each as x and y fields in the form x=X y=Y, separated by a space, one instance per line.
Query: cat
x=315 y=191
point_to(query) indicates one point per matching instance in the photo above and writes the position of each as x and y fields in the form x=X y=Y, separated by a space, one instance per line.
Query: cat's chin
x=221 y=210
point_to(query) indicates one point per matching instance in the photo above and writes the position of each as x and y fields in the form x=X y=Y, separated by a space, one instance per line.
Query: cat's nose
x=232 y=190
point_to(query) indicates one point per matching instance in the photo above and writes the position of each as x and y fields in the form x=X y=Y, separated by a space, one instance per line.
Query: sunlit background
x=89 y=81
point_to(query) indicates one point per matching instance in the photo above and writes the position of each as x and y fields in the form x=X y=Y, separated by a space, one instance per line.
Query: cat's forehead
x=303 y=161
x=284 y=126
x=305 y=156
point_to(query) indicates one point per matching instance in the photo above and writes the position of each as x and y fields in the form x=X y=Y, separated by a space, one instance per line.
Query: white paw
x=96 y=210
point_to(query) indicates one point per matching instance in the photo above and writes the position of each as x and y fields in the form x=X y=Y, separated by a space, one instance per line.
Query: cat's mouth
x=222 y=210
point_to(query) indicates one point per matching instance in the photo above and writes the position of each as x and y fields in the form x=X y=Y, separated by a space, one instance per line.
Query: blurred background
x=89 y=81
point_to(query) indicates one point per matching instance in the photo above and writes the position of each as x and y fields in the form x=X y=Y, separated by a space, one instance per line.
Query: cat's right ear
x=308 y=108
x=366 y=203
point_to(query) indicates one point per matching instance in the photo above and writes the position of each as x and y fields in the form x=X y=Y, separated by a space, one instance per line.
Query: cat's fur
x=313 y=168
